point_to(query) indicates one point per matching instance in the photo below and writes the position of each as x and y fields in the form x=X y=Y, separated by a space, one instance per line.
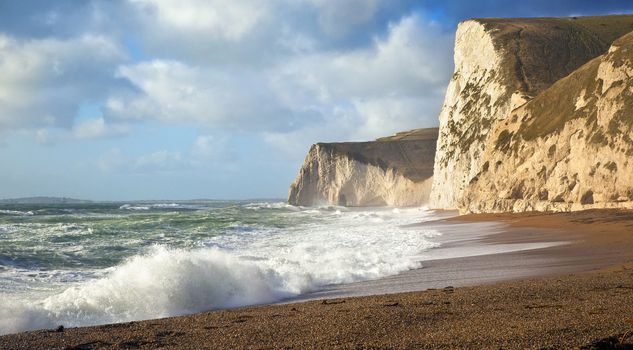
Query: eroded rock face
x=393 y=171
x=500 y=66
x=570 y=148
x=537 y=116
x=475 y=98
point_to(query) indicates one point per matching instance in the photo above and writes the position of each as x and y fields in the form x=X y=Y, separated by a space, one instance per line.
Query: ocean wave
x=16 y=212
x=173 y=206
x=133 y=207
x=263 y=268
x=271 y=205
x=261 y=264
x=176 y=206
x=178 y=281
x=30 y=231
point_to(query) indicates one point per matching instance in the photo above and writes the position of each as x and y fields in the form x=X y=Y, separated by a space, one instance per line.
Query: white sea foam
x=162 y=283
x=145 y=207
x=134 y=207
x=16 y=212
x=175 y=206
x=274 y=205
x=256 y=266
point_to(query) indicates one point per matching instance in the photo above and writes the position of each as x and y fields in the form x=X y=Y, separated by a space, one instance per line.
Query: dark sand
x=586 y=298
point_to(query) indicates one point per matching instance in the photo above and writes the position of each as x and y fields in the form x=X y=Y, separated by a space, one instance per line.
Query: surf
x=284 y=253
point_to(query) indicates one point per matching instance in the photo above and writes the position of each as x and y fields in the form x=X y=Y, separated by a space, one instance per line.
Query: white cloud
x=360 y=91
x=95 y=128
x=211 y=19
x=205 y=151
x=281 y=70
x=43 y=136
x=174 y=92
x=116 y=160
x=249 y=33
x=211 y=148
x=362 y=120
x=384 y=116
x=381 y=89
x=44 y=81
x=397 y=84
x=87 y=129
x=204 y=31
x=413 y=59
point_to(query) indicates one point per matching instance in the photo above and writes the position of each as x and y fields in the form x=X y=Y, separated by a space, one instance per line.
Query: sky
x=218 y=99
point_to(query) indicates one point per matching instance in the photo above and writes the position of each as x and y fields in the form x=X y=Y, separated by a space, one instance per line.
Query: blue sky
x=182 y=99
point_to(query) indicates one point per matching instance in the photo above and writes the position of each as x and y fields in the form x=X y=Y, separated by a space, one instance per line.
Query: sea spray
x=258 y=253
x=163 y=282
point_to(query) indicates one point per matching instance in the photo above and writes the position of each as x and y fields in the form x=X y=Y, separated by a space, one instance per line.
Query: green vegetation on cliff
x=411 y=153
x=540 y=51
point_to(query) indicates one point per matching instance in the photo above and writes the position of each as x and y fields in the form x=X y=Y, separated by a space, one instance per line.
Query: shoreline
x=506 y=247
x=597 y=240
x=467 y=256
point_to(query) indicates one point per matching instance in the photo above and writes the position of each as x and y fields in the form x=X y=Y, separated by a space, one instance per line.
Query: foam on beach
x=263 y=264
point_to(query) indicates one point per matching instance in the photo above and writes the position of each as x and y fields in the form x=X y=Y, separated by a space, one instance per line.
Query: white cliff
x=392 y=171
x=500 y=65
x=568 y=149
x=537 y=116
x=474 y=99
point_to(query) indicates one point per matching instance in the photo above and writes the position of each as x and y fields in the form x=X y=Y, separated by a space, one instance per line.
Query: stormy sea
x=96 y=263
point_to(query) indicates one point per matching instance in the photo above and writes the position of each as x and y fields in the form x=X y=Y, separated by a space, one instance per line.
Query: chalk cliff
x=512 y=77
x=569 y=148
x=394 y=171
x=537 y=116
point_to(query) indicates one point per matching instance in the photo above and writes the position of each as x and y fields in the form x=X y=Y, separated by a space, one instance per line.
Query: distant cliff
x=537 y=116
x=394 y=171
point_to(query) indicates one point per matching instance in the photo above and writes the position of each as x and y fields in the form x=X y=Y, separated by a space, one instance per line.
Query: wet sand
x=563 y=296
x=506 y=247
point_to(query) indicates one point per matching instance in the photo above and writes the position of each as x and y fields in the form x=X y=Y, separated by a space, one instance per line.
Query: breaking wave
x=252 y=267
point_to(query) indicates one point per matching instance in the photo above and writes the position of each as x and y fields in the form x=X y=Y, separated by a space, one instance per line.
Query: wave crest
x=163 y=283
x=253 y=267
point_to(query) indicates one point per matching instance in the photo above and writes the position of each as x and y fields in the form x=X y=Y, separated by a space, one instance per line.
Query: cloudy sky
x=181 y=99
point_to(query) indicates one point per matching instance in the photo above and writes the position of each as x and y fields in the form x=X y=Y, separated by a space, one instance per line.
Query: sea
x=98 y=263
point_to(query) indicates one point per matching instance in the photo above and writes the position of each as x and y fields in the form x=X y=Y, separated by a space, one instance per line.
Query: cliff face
x=505 y=74
x=569 y=148
x=538 y=116
x=394 y=171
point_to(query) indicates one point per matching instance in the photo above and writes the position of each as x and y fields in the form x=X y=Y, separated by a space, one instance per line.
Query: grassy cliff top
x=415 y=134
x=541 y=51
x=557 y=105
x=411 y=153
